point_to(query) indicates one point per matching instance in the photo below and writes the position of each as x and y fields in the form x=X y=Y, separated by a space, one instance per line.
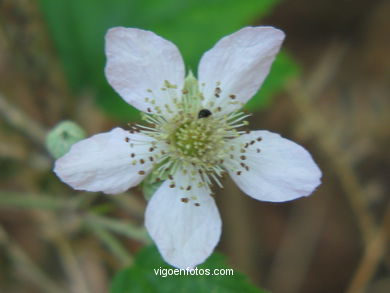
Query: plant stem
x=125 y=228
x=27 y=267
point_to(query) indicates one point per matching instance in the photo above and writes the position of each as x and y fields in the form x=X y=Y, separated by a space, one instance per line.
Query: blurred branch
x=374 y=238
x=374 y=253
x=55 y=230
x=125 y=228
x=13 y=151
x=29 y=201
x=21 y=121
x=302 y=97
x=131 y=204
x=299 y=243
x=112 y=243
x=27 y=267
x=71 y=264
x=239 y=241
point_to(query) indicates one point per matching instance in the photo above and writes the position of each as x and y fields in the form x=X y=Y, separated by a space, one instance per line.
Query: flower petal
x=271 y=168
x=138 y=65
x=183 y=221
x=104 y=162
x=234 y=69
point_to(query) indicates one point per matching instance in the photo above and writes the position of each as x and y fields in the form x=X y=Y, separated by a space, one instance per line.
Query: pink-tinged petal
x=138 y=65
x=183 y=221
x=234 y=69
x=271 y=168
x=107 y=162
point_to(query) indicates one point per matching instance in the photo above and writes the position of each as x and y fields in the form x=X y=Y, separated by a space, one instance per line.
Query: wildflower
x=191 y=138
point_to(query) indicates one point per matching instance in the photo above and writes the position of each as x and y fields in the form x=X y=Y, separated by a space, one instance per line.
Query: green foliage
x=78 y=29
x=141 y=277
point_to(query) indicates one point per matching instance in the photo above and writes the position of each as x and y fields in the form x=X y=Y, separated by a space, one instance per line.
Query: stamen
x=181 y=142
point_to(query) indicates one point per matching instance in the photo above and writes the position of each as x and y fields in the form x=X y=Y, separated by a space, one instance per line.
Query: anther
x=217 y=92
x=184 y=199
x=141 y=172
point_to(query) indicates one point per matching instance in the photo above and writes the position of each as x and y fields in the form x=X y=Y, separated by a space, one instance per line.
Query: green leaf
x=141 y=277
x=78 y=28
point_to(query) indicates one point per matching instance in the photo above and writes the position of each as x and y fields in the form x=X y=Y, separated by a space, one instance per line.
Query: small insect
x=204 y=113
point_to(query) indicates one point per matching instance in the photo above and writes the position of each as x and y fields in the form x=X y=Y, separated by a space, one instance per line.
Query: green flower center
x=196 y=139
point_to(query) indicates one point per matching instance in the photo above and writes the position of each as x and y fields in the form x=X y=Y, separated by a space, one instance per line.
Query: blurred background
x=328 y=91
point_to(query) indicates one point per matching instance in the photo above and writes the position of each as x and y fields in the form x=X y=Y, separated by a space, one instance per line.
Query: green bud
x=62 y=137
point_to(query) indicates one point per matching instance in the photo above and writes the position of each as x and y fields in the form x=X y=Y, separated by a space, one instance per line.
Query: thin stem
x=27 y=267
x=374 y=253
x=35 y=201
x=21 y=121
x=125 y=228
x=71 y=265
x=302 y=96
x=112 y=243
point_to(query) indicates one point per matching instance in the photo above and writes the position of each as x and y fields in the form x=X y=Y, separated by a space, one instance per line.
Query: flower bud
x=62 y=137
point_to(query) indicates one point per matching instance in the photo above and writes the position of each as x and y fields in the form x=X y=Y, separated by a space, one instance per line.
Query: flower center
x=194 y=137
x=199 y=140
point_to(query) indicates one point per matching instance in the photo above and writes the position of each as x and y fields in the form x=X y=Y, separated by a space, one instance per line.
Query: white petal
x=272 y=168
x=238 y=65
x=185 y=224
x=138 y=62
x=103 y=162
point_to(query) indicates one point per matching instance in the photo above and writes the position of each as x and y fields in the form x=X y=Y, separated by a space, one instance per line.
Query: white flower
x=191 y=137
